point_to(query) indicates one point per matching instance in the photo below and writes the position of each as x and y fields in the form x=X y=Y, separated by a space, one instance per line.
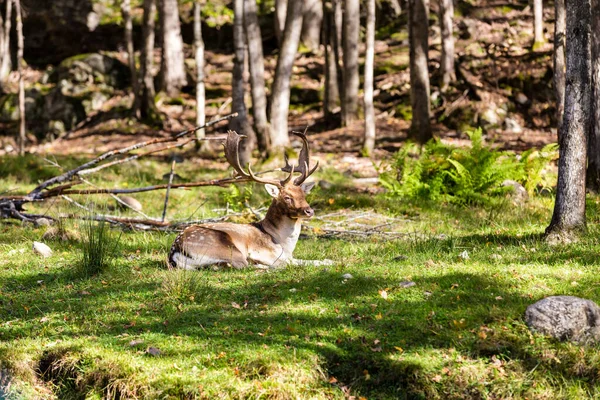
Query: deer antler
x=303 y=161
x=232 y=154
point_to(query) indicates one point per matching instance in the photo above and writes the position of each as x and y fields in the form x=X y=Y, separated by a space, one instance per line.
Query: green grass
x=139 y=330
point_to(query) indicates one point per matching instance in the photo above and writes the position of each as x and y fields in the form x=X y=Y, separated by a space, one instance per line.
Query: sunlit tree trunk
x=199 y=57
x=145 y=107
x=311 y=24
x=538 y=24
x=5 y=61
x=418 y=36
x=331 y=92
x=240 y=123
x=280 y=93
x=128 y=23
x=351 y=28
x=256 y=65
x=369 y=143
x=447 y=57
x=172 y=61
x=396 y=8
x=280 y=16
x=336 y=35
x=20 y=45
x=559 y=59
x=593 y=169
x=568 y=218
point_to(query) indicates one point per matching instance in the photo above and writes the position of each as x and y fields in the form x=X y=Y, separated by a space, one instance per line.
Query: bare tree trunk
x=126 y=12
x=22 y=123
x=447 y=57
x=331 y=94
x=338 y=21
x=351 y=80
x=280 y=16
x=369 y=143
x=199 y=56
x=538 y=24
x=5 y=61
x=145 y=107
x=311 y=24
x=172 y=62
x=280 y=94
x=240 y=123
x=569 y=209
x=396 y=8
x=559 y=59
x=593 y=168
x=256 y=65
x=418 y=36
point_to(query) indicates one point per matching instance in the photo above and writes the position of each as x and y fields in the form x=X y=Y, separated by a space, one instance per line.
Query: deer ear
x=307 y=187
x=272 y=190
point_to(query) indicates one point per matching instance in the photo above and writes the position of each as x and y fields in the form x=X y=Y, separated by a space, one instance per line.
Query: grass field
x=139 y=330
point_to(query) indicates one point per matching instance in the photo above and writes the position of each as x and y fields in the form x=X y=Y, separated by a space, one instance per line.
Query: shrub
x=462 y=175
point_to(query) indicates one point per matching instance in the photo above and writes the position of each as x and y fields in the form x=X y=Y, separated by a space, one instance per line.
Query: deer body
x=268 y=243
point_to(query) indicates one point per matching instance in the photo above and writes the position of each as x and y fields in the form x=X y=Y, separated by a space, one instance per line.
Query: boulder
x=93 y=68
x=565 y=318
x=519 y=193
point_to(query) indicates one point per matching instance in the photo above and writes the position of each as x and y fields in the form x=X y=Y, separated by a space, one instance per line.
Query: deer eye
x=288 y=199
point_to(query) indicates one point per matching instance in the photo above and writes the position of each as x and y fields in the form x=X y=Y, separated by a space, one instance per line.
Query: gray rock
x=131 y=202
x=521 y=98
x=347 y=276
x=323 y=184
x=42 y=249
x=407 y=284
x=519 y=192
x=565 y=318
x=512 y=125
x=42 y=222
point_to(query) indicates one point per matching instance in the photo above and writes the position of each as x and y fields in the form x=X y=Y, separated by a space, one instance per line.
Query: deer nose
x=309 y=212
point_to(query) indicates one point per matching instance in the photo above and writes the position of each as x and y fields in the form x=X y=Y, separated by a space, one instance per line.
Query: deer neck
x=283 y=229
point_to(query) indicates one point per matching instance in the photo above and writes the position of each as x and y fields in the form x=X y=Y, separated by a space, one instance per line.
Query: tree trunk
x=280 y=16
x=311 y=24
x=5 y=60
x=351 y=80
x=418 y=36
x=145 y=107
x=447 y=57
x=256 y=65
x=593 y=168
x=538 y=24
x=128 y=23
x=280 y=94
x=22 y=126
x=369 y=143
x=396 y=7
x=240 y=123
x=331 y=93
x=336 y=35
x=569 y=209
x=559 y=59
x=199 y=56
x=172 y=62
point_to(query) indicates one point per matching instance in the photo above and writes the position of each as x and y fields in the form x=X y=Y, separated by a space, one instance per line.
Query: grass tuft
x=98 y=247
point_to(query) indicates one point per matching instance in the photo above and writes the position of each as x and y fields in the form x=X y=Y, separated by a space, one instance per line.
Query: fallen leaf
x=332 y=380
x=235 y=305
x=135 y=342
x=383 y=294
x=400 y=349
x=378 y=316
x=377 y=349
x=437 y=378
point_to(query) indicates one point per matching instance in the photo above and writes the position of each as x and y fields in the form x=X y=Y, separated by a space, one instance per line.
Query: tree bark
x=5 y=60
x=128 y=23
x=569 y=210
x=396 y=7
x=331 y=94
x=593 y=168
x=172 y=61
x=256 y=65
x=538 y=24
x=336 y=35
x=145 y=107
x=199 y=57
x=311 y=24
x=447 y=57
x=559 y=59
x=351 y=28
x=240 y=123
x=280 y=94
x=369 y=143
x=418 y=35
x=20 y=45
x=280 y=16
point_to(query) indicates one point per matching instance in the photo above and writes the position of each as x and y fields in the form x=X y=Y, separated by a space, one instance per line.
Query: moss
x=404 y=111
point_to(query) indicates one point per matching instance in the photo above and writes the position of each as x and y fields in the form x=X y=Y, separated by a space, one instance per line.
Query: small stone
x=407 y=284
x=137 y=342
x=512 y=125
x=464 y=255
x=153 y=351
x=42 y=249
x=293 y=290
x=42 y=222
x=521 y=99
x=347 y=276
x=519 y=192
x=401 y=257
x=565 y=318
x=326 y=185
x=131 y=202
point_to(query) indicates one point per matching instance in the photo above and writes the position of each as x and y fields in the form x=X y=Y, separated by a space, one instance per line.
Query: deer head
x=289 y=197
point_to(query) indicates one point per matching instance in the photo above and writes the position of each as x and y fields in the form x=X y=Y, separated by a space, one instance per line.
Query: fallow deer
x=268 y=243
